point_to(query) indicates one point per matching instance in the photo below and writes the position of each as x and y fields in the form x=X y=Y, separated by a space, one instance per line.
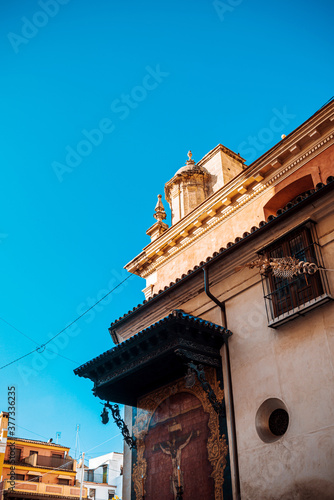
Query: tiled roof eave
x=35 y=441
x=232 y=246
x=176 y=316
x=17 y=493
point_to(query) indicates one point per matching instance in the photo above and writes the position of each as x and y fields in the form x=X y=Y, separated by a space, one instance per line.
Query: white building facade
x=104 y=476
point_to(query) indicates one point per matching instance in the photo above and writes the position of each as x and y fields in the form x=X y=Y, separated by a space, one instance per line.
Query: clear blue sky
x=158 y=79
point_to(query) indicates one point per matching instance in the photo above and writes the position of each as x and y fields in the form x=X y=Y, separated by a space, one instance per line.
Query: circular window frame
x=262 y=419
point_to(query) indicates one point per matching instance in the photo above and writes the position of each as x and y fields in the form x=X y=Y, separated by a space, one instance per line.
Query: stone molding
x=239 y=192
x=229 y=211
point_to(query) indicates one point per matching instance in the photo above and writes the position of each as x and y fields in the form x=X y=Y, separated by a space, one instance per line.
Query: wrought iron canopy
x=154 y=357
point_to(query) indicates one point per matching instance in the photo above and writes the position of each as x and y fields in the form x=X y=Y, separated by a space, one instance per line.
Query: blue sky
x=100 y=102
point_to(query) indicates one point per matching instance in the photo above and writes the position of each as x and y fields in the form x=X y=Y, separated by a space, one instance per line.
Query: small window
x=278 y=422
x=285 y=296
x=34 y=478
x=105 y=474
x=92 y=493
x=19 y=477
x=63 y=481
x=272 y=420
x=14 y=454
x=89 y=475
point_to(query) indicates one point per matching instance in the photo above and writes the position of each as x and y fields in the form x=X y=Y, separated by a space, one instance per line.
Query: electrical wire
x=28 y=430
x=34 y=341
x=41 y=347
x=90 y=449
x=14 y=328
x=49 y=472
x=63 y=465
x=116 y=435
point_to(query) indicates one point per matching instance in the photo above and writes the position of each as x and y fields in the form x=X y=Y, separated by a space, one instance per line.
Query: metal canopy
x=154 y=357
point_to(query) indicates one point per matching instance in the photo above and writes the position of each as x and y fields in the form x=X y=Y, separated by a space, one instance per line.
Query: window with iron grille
x=285 y=296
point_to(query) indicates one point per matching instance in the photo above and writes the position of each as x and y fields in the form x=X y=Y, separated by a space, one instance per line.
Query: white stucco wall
x=114 y=462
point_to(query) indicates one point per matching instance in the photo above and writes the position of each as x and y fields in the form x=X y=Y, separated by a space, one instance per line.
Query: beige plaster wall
x=238 y=223
x=212 y=241
x=294 y=363
x=223 y=168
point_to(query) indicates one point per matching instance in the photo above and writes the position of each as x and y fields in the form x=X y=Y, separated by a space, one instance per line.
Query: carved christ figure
x=174 y=448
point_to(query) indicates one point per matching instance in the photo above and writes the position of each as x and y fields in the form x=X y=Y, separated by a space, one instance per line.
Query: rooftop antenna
x=77 y=441
x=58 y=436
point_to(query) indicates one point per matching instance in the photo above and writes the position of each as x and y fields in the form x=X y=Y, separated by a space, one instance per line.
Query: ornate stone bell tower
x=187 y=189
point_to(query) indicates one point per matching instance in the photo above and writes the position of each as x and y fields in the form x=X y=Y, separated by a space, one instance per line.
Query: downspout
x=233 y=437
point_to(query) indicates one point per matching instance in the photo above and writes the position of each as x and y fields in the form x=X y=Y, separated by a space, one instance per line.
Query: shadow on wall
x=313 y=489
x=310 y=490
x=288 y=193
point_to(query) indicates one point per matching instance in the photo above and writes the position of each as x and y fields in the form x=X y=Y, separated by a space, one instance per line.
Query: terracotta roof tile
x=16 y=438
x=176 y=313
x=299 y=200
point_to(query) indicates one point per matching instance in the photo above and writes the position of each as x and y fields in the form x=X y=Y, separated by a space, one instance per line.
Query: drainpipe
x=233 y=437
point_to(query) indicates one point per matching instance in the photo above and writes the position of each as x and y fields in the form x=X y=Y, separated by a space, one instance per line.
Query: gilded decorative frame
x=217 y=446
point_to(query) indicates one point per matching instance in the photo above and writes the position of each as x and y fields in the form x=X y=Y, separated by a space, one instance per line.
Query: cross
x=174 y=447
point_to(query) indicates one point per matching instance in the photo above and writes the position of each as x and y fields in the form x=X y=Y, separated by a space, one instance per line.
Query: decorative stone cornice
x=264 y=173
x=225 y=150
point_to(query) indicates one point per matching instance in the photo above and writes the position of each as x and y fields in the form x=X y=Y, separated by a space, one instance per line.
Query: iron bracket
x=130 y=441
x=218 y=406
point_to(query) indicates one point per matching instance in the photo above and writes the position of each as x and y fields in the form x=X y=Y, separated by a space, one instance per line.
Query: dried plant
x=281 y=267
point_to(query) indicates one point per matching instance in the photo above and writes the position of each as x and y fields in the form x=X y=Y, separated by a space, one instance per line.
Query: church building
x=226 y=369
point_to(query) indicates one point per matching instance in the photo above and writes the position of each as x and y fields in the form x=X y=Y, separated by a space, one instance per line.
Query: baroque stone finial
x=190 y=161
x=160 y=213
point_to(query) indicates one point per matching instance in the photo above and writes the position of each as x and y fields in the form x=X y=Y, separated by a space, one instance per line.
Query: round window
x=278 y=422
x=272 y=420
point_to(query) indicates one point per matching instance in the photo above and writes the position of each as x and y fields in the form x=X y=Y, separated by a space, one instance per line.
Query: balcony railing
x=48 y=489
x=53 y=462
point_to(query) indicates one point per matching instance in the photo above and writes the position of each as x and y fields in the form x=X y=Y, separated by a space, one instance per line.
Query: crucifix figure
x=174 y=448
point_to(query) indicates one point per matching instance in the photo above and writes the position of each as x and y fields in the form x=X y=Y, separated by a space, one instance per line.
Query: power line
x=42 y=346
x=87 y=310
x=14 y=328
x=52 y=469
x=32 y=432
x=18 y=359
x=34 y=341
x=110 y=439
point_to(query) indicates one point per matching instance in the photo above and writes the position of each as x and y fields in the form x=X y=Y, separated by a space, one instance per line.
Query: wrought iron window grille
x=289 y=296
